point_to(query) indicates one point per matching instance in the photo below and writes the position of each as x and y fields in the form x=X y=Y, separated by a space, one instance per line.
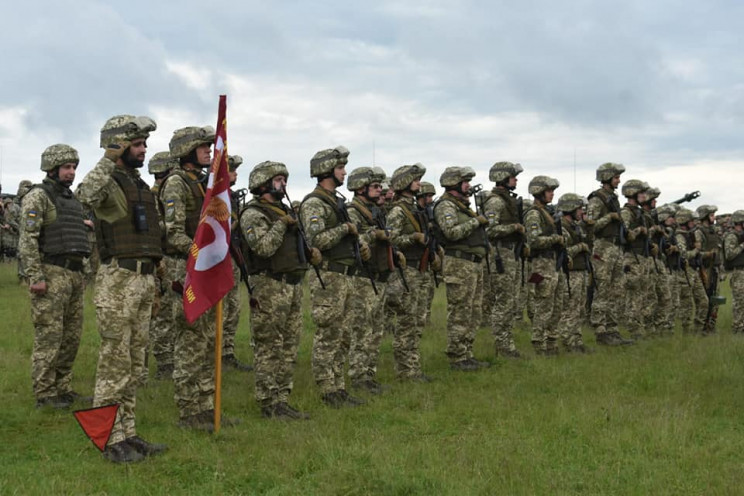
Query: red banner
x=97 y=423
x=209 y=274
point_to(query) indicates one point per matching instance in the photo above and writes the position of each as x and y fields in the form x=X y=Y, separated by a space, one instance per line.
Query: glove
x=401 y=260
x=557 y=239
x=315 y=256
x=352 y=229
x=382 y=234
x=288 y=220
x=583 y=247
x=436 y=264
x=631 y=236
x=526 y=251
x=419 y=238
x=519 y=228
x=481 y=220
x=570 y=263
x=654 y=250
x=615 y=216
x=672 y=249
x=642 y=230
x=364 y=251
x=440 y=252
x=114 y=151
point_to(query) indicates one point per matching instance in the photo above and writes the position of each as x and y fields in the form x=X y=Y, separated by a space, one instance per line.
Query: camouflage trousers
x=488 y=297
x=658 y=308
x=409 y=308
x=163 y=324
x=330 y=309
x=736 y=279
x=123 y=302
x=571 y=307
x=276 y=325
x=637 y=284
x=547 y=301
x=609 y=296
x=58 y=324
x=503 y=307
x=231 y=314
x=673 y=282
x=464 y=280
x=366 y=328
x=431 y=287
x=693 y=301
x=193 y=358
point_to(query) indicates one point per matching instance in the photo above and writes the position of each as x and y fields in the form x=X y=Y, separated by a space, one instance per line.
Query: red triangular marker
x=97 y=423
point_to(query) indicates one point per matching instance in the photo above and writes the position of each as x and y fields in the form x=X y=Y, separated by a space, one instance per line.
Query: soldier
x=692 y=298
x=182 y=194
x=409 y=233
x=709 y=239
x=23 y=187
x=673 y=262
x=232 y=299
x=462 y=233
x=163 y=323
x=129 y=244
x=544 y=241
x=278 y=260
x=603 y=214
x=367 y=307
x=659 y=300
x=52 y=246
x=10 y=217
x=507 y=236
x=323 y=215
x=733 y=249
x=425 y=202
x=571 y=208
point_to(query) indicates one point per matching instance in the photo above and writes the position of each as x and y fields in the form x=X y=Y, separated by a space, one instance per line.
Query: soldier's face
x=233 y=175
x=549 y=194
x=465 y=187
x=204 y=154
x=279 y=183
x=390 y=194
x=66 y=173
x=135 y=155
x=416 y=185
x=340 y=173
x=512 y=182
x=615 y=182
x=374 y=190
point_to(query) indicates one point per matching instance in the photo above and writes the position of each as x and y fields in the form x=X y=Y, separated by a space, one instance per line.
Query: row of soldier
x=368 y=257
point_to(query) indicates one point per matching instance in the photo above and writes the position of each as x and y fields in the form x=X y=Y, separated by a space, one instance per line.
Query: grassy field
x=663 y=417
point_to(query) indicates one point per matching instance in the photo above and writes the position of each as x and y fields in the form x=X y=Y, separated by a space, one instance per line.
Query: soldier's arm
x=731 y=246
x=366 y=233
x=263 y=237
x=682 y=244
x=446 y=216
x=36 y=212
x=102 y=194
x=175 y=194
x=627 y=217
x=396 y=221
x=535 y=239
x=594 y=212
x=494 y=212
x=313 y=213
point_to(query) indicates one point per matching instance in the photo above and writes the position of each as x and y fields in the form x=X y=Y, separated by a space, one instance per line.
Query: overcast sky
x=556 y=86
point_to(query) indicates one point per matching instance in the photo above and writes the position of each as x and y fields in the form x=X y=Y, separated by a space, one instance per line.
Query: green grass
x=663 y=417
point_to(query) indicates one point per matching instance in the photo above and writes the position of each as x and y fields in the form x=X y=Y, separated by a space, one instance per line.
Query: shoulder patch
x=32 y=214
x=314 y=218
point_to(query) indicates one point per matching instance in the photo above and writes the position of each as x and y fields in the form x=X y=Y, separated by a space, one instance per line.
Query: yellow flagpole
x=218 y=369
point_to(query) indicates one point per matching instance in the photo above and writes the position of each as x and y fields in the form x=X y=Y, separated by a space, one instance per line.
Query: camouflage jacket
x=500 y=209
x=177 y=199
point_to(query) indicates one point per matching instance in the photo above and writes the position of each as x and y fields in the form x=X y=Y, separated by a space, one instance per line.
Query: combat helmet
x=737 y=217
x=452 y=176
x=323 y=162
x=703 y=211
x=23 y=188
x=632 y=187
x=426 y=188
x=364 y=176
x=684 y=215
x=405 y=175
x=540 y=184
x=263 y=173
x=57 y=155
x=608 y=170
x=160 y=163
x=569 y=202
x=233 y=162
x=665 y=211
x=501 y=171
x=187 y=139
x=126 y=128
x=652 y=194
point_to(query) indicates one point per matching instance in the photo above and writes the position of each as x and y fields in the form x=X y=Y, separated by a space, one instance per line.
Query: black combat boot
x=284 y=410
x=333 y=399
x=232 y=361
x=349 y=400
x=55 y=402
x=122 y=452
x=144 y=448
x=164 y=372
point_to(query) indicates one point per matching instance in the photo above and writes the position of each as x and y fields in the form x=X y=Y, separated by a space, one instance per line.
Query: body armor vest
x=416 y=223
x=511 y=216
x=738 y=261
x=689 y=246
x=381 y=259
x=673 y=261
x=711 y=241
x=610 y=204
x=67 y=235
x=193 y=214
x=343 y=251
x=289 y=257
x=475 y=243
x=547 y=228
x=576 y=237
x=638 y=244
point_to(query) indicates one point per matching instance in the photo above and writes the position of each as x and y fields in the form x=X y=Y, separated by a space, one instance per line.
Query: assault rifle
x=561 y=258
x=381 y=222
x=304 y=246
x=474 y=190
x=432 y=244
x=687 y=198
x=647 y=241
x=344 y=217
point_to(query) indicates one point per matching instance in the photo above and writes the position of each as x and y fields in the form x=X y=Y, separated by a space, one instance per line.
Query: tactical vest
x=547 y=228
x=67 y=235
x=193 y=214
x=711 y=241
x=673 y=261
x=289 y=257
x=610 y=203
x=416 y=222
x=576 y=236
x=639 y=243
x=511 y=216
x=381 y=259
x=689 y=237
x=122 y=238
x=738 y=261
x=475 y=243
x=343 y=251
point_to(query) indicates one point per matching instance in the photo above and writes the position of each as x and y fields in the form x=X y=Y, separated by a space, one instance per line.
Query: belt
x=142 y=268
x=471 y=257
x=543 y=254
x=292 y=278
x=73 y=264
x=348 y=270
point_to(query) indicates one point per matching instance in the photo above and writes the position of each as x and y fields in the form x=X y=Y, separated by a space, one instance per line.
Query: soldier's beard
x=132 y=162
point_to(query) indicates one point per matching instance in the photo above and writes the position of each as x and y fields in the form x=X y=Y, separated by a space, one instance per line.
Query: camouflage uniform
x=464 y=243
x=11 y=216
x=125 y=282
x=231 y=303
x=693 y=301
x=733 y=249
x=636 y=267
x=658 y=312
x=707 y=237
x=58 y=313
